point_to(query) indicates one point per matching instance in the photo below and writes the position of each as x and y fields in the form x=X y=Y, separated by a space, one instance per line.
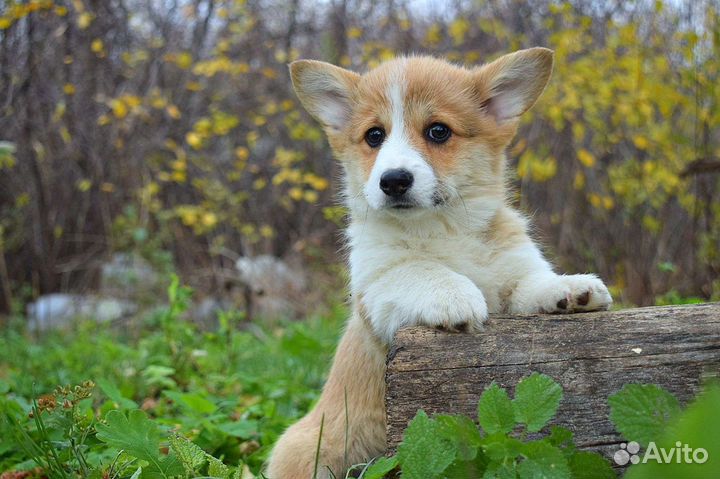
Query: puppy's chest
x=466 y=255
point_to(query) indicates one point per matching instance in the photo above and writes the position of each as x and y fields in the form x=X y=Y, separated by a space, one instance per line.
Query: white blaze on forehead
x=397 y=152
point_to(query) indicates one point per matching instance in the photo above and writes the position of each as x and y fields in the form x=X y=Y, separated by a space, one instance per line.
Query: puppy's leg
x=422 y=292
x=540 y=290
x=351 y=410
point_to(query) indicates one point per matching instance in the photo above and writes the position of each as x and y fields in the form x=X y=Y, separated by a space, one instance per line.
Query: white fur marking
x=397 y=152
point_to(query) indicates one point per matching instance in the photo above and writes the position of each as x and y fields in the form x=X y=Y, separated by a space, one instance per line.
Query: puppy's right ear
x=325 y=91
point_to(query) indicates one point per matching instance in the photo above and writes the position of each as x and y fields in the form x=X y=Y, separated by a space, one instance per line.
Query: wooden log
x=592 y=355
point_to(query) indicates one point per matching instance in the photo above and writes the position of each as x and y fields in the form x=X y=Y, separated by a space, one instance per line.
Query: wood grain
x=592 y=355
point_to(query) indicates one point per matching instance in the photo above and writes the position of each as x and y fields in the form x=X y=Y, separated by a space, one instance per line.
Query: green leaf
x=242 y=429
x=192 y=401
x=216 y=468
x=501 y=471
x=190 y=454
x=641 y=412
x=462 y=431
x=543 y=461
x=495 y=410
x=560 y=437
x=462 y=469
x=114 y=394
x=697 y=428
x=423 y=454
x=138 y=437
x=590 y=465
x=380 y=468
x=499 y=447
x=537 y=398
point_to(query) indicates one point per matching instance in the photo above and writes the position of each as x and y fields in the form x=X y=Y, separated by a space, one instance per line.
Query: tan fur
x=435 y=91
x=358 y=373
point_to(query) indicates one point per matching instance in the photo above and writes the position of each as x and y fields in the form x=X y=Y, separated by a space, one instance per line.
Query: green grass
x=231 y=391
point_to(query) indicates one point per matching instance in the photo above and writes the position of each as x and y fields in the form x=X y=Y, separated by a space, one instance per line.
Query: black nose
x=396 y=182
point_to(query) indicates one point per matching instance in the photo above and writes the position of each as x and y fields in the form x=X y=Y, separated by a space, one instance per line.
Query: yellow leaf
x=5 y=23
x=209 y=219
x=69 y=89
x=269 y=73
x=84 y=20
x=433 y=35
x=173 y=112
x=310 y=196
x=97 y=46
x=133 y=101
x=586 y=158
x=579 y=181
x=641 y=143
x=184 y=60
x=458 y=29
x=259 y=183
x=119 y=108
x=60 y=11
x=295 y=193
x=242 y=153
x=354 y=32
x=84 y=185
x=194 y=140
x=266 y=231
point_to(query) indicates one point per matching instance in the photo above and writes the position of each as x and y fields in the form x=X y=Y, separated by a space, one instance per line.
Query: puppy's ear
x=510 y=85
x=325 y=91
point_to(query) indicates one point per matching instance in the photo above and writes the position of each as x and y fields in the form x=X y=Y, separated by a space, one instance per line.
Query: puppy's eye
x=438 y=133
x=375 y=136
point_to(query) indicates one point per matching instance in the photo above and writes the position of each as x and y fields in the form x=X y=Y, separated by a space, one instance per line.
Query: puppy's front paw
x=456 y=305
x=561 y=294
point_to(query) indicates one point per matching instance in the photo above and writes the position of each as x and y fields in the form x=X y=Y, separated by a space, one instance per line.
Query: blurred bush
x=169 y=129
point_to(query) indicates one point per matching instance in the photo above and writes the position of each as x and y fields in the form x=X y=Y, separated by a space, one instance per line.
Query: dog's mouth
x=404 y=205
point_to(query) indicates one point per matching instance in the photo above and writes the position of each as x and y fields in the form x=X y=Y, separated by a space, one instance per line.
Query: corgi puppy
x=433 y=239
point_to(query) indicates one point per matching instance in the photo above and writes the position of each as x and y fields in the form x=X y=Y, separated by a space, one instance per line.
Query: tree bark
x=591 y=355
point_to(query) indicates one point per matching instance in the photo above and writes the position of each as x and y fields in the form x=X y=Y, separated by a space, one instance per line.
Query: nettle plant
x=507 y=444
x=453 y=446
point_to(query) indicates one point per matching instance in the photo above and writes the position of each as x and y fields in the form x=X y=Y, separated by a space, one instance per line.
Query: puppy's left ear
x=510 y=85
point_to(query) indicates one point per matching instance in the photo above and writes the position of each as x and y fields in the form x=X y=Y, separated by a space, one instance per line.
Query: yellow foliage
x=97 y=47
x=242 y=153
x=84 y=20
x=194 y=140
x=84 y=185
x=184 y=60
x=69 y=89
x=173 y=112
x=641 y=143
x=119 y=108
x=433 y=36
x=295 y=193
x=458 y=29
x=586 y=158
x=267 y=231
x=310 y=196
x=354 y=32
x=579 y=181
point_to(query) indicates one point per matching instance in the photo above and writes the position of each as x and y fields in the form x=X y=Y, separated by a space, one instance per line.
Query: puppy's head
x=418 y=133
